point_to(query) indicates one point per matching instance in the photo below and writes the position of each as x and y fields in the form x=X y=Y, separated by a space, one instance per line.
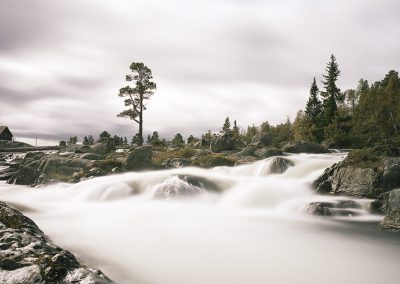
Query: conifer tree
x=235 y=130
x=227 y=125
x=332 y=93
x=136 y=95
x=313 y=107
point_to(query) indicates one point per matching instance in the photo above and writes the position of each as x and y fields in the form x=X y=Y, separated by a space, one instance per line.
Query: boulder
x=304 y=147
x=102 y=148
x=139 y=159
x=175 y=187
x=341 y=179
x=387 y=202
x=25 y=175
x=267 y=152
x=279 y=165
x=28 y=256
x=391 y=172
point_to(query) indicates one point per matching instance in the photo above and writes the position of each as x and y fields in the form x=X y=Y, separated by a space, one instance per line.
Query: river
x=231 y=225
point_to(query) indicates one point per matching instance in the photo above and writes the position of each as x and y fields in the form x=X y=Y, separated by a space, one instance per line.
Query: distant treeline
x=365 y=116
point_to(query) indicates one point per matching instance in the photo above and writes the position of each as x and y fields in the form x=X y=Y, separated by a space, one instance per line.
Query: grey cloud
x=253 y=60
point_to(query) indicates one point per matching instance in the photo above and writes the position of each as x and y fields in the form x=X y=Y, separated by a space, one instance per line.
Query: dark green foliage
x=135 y=96
x=227 y=125
x=235 y=130
x=178 y=140
x=73 y=140
x=104 y=136
x=85 y=141
x=192 y=139
x=154 y=139
x=332 y=93
x=314 y=106
x=136 y=140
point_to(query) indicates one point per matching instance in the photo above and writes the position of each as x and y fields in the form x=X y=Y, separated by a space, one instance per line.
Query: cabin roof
x=4 y=128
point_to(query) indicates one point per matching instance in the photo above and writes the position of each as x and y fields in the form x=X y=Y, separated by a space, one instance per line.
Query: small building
x=5 y=133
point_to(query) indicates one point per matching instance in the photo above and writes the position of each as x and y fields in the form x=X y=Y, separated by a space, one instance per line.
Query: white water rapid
x=239 y=225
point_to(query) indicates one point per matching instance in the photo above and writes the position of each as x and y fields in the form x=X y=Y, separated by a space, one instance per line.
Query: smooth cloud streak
x=62 y=62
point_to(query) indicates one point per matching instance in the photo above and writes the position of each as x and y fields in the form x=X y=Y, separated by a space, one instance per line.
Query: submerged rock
x=279 y=165
x=176 y=163
x=338 y=208
x=183 y=186
x=27 y=256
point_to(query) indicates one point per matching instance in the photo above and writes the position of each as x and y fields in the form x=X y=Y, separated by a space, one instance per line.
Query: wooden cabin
x=5 y=133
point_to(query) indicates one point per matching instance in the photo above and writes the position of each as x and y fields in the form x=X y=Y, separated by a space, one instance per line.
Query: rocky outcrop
x=362 y=180
x=139 y=159
x=28 y=256
x=304 y=147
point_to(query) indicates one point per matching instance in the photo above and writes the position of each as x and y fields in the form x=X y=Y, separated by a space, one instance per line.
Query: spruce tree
x=332 y=93
x=313 y=107
x=235 y=130
x=227 y=125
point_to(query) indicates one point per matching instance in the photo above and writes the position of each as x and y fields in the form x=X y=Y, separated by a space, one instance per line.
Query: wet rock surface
x=28 y=256
x=338 y=208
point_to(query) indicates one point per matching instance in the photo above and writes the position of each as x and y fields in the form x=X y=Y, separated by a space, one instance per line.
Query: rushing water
x=229 y=225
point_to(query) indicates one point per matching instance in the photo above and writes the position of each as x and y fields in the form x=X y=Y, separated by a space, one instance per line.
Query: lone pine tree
x=135 y=96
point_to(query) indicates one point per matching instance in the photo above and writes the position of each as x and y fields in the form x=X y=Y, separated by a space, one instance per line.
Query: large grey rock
x=279 y=165
x=102 y=148
x=387 y=202
x=391 y=172
x=304 y=147
x=28 y=256
x=267 y=152
x=139 y=159
x=341 y=179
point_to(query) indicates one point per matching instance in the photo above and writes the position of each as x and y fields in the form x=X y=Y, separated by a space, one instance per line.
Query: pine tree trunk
x=141 y=121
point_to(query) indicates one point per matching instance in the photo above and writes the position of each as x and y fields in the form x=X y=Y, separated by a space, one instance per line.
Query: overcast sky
x=63 y=62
